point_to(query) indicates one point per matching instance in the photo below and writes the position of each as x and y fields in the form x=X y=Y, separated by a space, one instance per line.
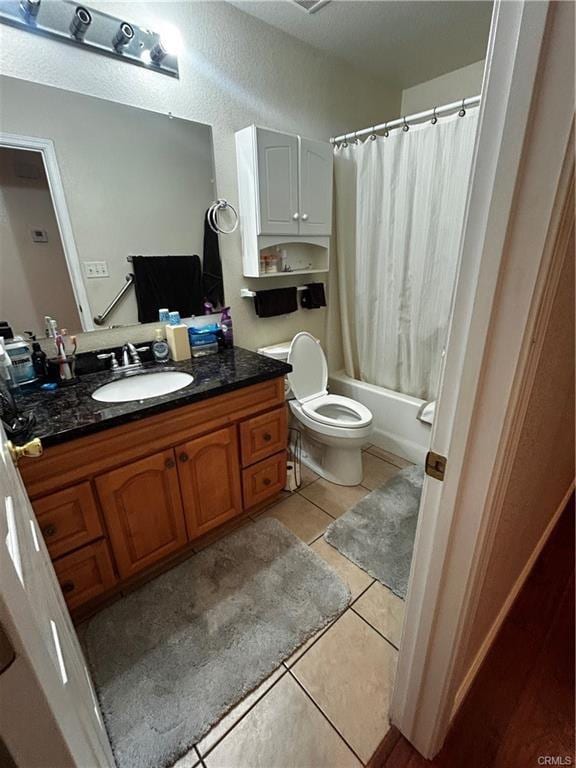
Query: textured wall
x=452 y=86
x=543 y=465
x=235 y=70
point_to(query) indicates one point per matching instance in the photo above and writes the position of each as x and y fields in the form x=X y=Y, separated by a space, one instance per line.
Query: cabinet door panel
x=210 y=480
x=277 y=183
x=315 y=187
x=143 y=511
x=264 y=480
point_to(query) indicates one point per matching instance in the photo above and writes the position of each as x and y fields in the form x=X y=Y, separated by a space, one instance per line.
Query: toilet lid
x=309 y=375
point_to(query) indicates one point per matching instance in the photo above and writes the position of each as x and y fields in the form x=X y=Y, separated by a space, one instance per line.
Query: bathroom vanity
x=124 y=491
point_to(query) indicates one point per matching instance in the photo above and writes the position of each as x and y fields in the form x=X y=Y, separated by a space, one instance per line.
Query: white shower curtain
x=409 y=199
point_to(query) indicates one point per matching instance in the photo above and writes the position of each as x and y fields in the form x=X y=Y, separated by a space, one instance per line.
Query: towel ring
x=405 y=127
x=434 y=118
x=212 y=217
x=462 y=110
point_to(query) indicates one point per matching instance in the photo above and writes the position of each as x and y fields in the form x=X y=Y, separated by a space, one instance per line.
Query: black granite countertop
x=70 y=412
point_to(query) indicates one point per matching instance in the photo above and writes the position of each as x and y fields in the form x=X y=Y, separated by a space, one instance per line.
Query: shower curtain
x=399 y=213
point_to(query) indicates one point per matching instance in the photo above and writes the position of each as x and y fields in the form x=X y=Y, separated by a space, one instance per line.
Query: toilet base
x=337 y=464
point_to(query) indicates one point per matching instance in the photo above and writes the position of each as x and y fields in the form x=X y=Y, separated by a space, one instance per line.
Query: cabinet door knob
x=295 y=216
x=67 y=587
x=267 y=437
x=169 y=463
x=266 y=481
x=49 y=530
x=183 y=457
x=304 y=217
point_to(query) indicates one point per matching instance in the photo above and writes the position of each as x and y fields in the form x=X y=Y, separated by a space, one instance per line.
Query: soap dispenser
x=160 y=348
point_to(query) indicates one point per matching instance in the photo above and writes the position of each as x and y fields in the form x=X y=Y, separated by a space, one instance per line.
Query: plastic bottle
x=39 y=361
x=226 y=327
x=160 y=348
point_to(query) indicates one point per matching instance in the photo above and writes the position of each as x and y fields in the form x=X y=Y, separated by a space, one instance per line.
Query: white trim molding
x=46 y=147
x=524 y=133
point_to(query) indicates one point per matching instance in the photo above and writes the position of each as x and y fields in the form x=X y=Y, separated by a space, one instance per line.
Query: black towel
x=212 y=267
x=167 y=281
x=313 y=296
x=278 y=301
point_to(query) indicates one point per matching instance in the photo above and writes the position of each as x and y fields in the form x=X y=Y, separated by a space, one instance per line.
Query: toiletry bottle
x=6 y=368
x=39 y=361
x=160 y=348
x=226 y=327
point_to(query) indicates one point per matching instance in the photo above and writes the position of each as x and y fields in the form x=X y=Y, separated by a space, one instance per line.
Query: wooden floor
x=521 y=706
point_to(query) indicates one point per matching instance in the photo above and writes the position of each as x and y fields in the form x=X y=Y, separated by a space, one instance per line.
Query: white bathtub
x=396 y=428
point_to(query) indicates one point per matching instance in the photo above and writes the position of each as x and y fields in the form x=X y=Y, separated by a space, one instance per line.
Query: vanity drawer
x=263 y=436
x=85 y=574
x=264 y=480
x=68 y=519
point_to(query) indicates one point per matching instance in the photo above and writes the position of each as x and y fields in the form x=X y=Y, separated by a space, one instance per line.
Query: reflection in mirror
x=98 y=184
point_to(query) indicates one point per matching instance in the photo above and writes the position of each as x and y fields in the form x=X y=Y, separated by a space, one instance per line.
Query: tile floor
x=326 y=705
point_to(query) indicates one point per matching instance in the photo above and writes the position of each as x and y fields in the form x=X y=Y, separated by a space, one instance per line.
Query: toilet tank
x=279 y=352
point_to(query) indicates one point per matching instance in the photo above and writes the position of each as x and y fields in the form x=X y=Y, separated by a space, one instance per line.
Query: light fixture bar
x=84 y=27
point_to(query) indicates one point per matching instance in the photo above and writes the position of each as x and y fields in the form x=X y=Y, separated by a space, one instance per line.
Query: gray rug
x=170 y=659
x=378 y=533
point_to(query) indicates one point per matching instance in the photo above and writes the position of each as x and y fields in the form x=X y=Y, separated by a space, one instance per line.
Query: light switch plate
x=96 y=269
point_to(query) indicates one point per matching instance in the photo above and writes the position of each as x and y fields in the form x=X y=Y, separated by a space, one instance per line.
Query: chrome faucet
x=130 y=358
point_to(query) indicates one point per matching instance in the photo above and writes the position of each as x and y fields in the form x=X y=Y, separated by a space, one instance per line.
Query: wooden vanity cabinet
x=143 y=511
x=210 y=480
x=129 y=501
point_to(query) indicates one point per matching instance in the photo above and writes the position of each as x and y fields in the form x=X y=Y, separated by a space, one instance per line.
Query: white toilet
x=334 y=428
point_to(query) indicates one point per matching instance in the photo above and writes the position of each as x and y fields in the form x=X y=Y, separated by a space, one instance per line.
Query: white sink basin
x=142 y=387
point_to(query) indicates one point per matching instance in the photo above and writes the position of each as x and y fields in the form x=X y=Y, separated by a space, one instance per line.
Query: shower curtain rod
x=418 y=117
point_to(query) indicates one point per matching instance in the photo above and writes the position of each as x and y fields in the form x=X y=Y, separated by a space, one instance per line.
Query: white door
x=48 y=711
x=316 y=161
x=277 y=183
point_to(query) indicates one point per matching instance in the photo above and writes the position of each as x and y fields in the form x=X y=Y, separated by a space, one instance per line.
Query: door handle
x=295 y=216
x=67 y=587
x=183 y=457
x=31 y=450
x=169 y=463
x=49 y=530
x=267 y=437
x=304 y=217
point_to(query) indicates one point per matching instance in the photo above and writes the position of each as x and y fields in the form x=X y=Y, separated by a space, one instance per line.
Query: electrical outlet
x=96 y=269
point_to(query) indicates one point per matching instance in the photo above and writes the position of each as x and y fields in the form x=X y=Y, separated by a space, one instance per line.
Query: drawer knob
x=67 y=587
x=266 y=481
x=49 y=530
x=183 y=457
x=267 y=437
x=169 y=463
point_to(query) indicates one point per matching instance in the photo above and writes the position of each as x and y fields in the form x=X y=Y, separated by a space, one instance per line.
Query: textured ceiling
x=402 y=41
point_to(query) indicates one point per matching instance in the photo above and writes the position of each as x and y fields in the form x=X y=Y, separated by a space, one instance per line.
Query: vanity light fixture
x=30 y=8
x=80 y=22
x=95 y=31
x=124 y=36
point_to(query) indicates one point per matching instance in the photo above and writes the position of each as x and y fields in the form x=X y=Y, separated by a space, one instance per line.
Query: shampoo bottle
x=226 y=328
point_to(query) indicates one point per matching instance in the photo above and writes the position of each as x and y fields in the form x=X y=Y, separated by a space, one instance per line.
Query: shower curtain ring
x=405 y=127
x=355 y=138
x=462 y=110
x=434 y=118
x=373 y=134
x=386 y=131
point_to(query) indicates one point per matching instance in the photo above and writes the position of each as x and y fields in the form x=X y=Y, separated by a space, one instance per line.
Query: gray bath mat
x=378 y=533
x=171 y=658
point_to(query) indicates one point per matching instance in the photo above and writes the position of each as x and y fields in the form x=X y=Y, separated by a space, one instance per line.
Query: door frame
x=48 y=151
x=487 y=357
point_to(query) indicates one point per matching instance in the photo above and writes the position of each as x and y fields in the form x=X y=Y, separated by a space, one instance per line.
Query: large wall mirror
x=85 y=185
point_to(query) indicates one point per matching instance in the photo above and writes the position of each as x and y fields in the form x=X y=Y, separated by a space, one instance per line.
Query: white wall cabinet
x=285 y=196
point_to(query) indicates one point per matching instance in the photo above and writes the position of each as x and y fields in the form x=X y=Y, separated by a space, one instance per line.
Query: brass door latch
x=31 y=450
x=435 y=465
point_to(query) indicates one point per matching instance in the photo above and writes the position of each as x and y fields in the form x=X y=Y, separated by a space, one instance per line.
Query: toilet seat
x=338 y=411
x=308 y=380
